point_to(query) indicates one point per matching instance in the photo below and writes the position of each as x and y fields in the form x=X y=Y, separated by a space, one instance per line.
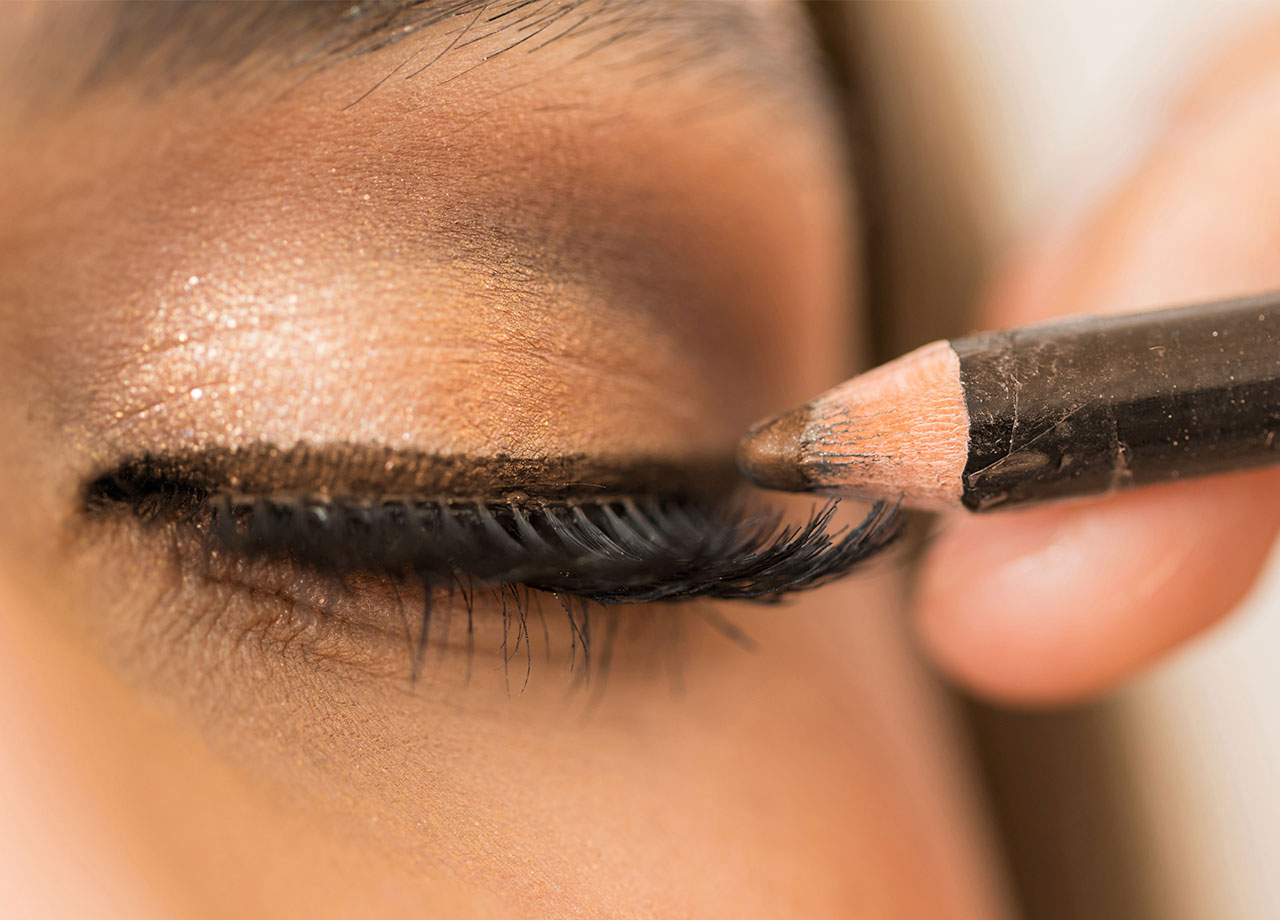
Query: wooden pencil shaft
x=1095 y=404
x=1075 y=407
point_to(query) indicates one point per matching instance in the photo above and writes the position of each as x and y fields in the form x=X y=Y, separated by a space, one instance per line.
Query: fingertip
x=1059 y=603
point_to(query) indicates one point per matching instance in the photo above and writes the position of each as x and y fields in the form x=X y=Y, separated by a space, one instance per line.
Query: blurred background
x=1163 y=800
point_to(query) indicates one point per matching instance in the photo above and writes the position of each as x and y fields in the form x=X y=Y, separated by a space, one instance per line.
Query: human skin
x=1060 y=603
x=542 y=252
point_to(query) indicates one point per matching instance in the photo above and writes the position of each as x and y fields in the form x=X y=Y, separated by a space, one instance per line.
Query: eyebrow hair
x=172 y=42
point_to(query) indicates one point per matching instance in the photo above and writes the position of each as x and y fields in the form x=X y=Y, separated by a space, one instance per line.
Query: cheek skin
x=766 y=787
x=122 y=804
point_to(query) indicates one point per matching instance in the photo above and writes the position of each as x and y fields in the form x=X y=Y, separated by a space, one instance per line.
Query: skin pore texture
x=596 y=248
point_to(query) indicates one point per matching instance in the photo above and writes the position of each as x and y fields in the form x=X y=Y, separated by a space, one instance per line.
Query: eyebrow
x=169 y=43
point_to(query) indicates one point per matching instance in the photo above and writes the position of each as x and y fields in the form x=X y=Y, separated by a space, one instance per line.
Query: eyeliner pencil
x=1080 y=406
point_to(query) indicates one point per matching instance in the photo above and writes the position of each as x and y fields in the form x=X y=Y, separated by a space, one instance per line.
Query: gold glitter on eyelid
x=205 y=386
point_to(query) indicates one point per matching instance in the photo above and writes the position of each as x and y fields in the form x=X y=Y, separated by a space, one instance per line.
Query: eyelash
x=605 y=550
x=612 y=551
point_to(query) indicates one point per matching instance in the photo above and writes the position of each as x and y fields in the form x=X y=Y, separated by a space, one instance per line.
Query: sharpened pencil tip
x=769 y=454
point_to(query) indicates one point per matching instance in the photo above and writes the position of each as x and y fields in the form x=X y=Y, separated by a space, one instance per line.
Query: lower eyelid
x=375 y=625
x=274 y=612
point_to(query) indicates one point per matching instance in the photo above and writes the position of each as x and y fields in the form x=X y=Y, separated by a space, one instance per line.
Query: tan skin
x=546 y=252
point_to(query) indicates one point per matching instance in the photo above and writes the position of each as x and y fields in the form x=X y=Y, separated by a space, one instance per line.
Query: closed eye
x=606 y=547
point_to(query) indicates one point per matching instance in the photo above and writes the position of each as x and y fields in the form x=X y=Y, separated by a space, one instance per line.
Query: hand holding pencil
x=1064 y=600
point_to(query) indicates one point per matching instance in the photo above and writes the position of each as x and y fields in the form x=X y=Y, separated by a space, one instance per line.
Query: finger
x=1065 y=601
x=1058 y=603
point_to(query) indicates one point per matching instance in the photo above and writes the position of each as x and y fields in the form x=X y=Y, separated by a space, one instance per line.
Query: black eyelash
x=613 y=551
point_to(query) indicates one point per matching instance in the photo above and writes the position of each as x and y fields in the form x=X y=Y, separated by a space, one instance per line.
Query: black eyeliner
x=361 y=470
